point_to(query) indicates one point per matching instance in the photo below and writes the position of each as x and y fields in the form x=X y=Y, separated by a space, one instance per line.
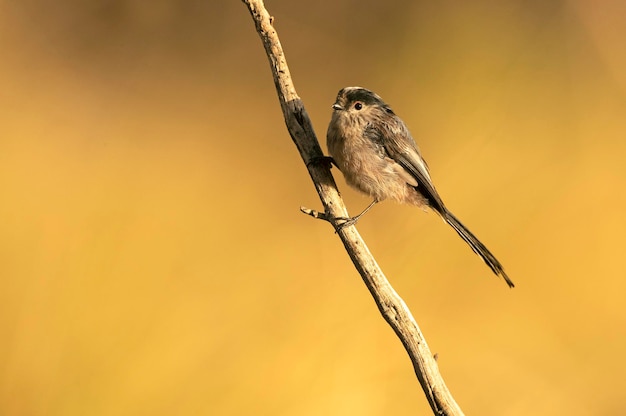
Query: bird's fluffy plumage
x=377 y=155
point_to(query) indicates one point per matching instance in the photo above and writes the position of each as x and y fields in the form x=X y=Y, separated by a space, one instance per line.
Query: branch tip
x=315 y=214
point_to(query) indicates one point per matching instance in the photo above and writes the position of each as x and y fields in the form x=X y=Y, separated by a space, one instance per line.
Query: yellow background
x=153 y=259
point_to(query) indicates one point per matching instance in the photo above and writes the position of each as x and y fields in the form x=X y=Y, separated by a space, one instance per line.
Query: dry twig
x=391 y=306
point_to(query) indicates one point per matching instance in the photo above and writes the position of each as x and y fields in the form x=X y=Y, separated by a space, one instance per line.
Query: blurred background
x=153 y=259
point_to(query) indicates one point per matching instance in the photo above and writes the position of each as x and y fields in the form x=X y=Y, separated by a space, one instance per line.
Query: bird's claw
x=344 y=222
x=322 y=160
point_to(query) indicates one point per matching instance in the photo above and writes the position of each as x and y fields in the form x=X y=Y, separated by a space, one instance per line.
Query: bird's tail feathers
x=478 y=247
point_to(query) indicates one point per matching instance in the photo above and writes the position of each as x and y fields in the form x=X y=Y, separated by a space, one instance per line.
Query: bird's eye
x=358 y=106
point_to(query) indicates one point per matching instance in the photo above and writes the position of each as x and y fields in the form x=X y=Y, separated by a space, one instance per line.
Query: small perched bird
x=375 y=152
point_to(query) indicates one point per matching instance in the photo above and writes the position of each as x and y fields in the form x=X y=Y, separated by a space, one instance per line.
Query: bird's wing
x=400 y=146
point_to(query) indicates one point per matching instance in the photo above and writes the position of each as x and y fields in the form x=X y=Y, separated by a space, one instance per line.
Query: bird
x=377 y=155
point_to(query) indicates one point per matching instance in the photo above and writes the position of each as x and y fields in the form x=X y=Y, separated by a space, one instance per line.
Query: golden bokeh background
x=153 y=259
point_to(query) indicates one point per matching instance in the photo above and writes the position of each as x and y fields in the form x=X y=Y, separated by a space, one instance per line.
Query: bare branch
x=391 y=306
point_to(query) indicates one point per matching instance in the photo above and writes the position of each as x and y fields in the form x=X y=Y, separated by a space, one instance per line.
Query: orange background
x=153 y=259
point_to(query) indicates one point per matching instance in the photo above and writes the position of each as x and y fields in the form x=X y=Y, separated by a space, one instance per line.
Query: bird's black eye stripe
x=358 y=105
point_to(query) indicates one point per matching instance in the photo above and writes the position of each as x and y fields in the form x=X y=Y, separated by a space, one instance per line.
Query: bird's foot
x=322 y=160
x=345 y=222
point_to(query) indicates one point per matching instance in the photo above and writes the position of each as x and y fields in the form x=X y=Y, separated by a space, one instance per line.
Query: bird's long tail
x=478 y=247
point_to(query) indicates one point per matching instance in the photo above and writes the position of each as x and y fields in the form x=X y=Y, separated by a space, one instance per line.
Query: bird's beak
x=337 y=107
